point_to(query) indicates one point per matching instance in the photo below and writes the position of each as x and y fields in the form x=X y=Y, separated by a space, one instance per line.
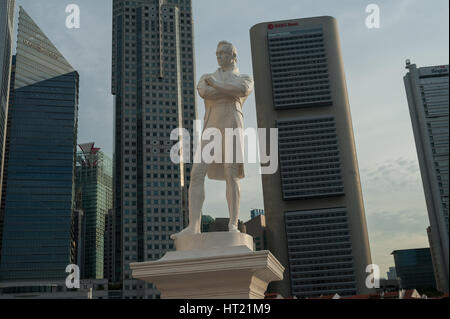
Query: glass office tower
x=153 y=84
x=37 y=234
x=6 y=38
x=94 y=193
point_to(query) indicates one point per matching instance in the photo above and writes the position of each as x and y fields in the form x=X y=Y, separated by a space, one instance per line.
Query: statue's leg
x=197 y=195
x=196 y=199
x=233 y=195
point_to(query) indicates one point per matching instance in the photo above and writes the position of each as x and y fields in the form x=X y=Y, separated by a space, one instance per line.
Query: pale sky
x=374 y=62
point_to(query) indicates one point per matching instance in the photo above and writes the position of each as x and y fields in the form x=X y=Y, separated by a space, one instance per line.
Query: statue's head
x=226 y=54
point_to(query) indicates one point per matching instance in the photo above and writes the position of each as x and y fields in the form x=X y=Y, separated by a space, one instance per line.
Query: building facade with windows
x=6 y=150
x=256 y=227
x=428 y=98
x=7 y=9
x=153 y=81
x=415 y=268
x=89 y=289
x=94 y=198
x=316 y=225
x=38 y=217
x=256 y=212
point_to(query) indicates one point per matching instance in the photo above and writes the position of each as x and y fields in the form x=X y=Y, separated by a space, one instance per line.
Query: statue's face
x=224 y=56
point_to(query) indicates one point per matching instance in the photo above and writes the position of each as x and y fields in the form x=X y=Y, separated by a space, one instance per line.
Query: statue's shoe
x=187 y=231
x=233 y=229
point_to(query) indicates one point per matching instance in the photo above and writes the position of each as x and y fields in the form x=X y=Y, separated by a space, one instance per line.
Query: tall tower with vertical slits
x=316 y=224
x=153 y=81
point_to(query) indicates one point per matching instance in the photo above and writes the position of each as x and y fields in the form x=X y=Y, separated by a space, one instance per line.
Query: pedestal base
x=212 y=266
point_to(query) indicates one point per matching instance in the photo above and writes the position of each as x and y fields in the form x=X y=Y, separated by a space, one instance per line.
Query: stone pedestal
x=212 y=266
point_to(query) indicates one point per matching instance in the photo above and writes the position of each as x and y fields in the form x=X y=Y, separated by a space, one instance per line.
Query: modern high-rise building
x=256 y=212
x=6 y=150
x=94 y=191
x=314 y=207
x=428 y=98
x=38 y=221
x=153 y=81
x=256 y=227
x=414 y=268
x=7 y=9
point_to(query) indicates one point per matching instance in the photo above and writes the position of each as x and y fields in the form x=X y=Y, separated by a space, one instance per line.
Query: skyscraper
x=94 y=186
x=37 y=233
x=153 y=84
x=315 y=217
x=428 y=99
x=6 y=38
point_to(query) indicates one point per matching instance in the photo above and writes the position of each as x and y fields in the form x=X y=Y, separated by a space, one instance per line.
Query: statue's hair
x=231 y=47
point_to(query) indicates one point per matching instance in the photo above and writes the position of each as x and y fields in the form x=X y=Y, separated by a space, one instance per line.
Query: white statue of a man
x=225 y=93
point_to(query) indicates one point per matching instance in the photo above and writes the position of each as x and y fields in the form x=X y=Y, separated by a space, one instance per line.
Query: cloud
x=393 y=183
x=395 y=208
x=412 y=221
